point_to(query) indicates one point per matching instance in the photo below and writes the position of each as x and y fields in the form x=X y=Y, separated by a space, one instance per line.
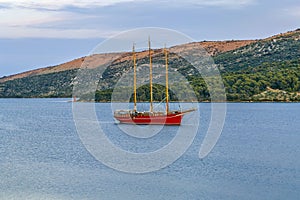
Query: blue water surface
x=42 y=157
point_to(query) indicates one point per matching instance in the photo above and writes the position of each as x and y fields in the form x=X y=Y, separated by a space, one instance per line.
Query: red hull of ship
x=170 y=119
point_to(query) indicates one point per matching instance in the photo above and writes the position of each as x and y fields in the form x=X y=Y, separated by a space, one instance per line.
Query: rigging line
x=150 y=60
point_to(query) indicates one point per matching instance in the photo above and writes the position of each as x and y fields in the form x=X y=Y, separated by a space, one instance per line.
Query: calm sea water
x=42 y=157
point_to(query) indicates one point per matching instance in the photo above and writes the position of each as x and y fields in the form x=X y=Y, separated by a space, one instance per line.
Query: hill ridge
x=212 y=47
x=252 y=70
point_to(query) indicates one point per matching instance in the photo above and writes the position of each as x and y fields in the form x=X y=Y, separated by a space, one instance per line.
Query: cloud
x=221 y=3
x=22 y=23
x=60 y=19
x=29 y=32
x=23 y=17
x=50 y=4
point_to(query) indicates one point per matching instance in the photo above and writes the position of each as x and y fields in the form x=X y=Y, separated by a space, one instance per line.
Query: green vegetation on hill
x=46 y=85
x=268 y=82
x=247 y=84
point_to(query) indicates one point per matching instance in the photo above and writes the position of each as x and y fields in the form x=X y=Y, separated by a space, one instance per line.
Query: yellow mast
x=134 y=77
x=151 y=92
x=167 y=81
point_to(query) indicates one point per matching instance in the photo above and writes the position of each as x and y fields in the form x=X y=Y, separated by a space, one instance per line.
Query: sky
x=41 y=33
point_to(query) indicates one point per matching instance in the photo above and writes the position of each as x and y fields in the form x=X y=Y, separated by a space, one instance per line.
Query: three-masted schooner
x=134 y=116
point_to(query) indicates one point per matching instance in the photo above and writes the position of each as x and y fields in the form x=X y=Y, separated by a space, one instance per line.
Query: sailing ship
x=151 y=117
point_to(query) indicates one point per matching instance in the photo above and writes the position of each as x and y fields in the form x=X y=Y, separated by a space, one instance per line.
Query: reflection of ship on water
x=168 y=117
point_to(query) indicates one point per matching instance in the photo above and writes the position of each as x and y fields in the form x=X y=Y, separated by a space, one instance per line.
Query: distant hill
x=252 y=70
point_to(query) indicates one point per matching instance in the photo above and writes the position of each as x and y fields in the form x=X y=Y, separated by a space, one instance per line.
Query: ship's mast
x=151 y=92
x=167 y=81
x=134 y=77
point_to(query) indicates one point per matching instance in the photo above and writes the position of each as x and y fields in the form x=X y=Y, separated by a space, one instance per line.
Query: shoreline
x=84 y=101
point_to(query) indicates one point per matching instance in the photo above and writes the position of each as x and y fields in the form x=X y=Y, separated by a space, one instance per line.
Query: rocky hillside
x=282 y=47
x=250 y=69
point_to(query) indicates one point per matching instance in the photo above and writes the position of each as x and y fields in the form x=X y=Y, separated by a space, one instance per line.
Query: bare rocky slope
x=213 y=48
